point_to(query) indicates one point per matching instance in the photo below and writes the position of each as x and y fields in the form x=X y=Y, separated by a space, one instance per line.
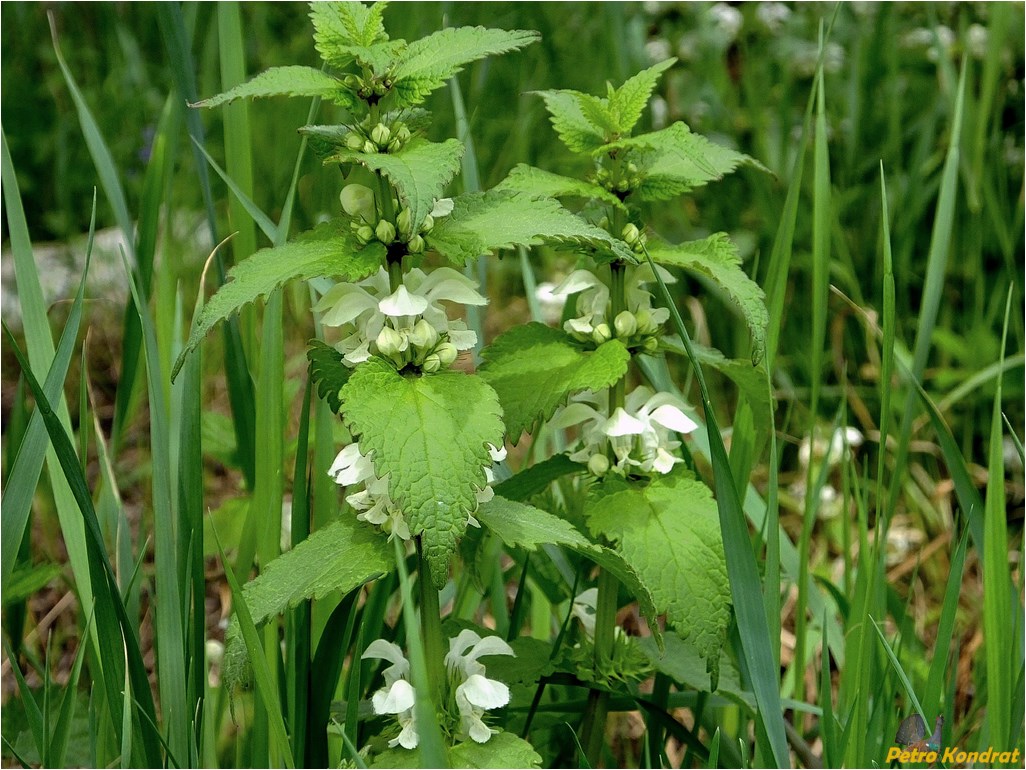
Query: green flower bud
x=380 y=135
x=432 y=363
x=389 y=341
x=403 y=221
x=369 y=147
x=427 y=224
x=416 y=245
x=385 y=231
x=354 y=141
x=651 y=345
x=598 y=464
x=630 y=234
x=601 y=333
x=446 y=353
x=644 y=320
x=364 y=234
x=402 y=133
x=423 y=335
x=352 y=81
x=394 y=146
x=357 y=201
x=632 y=168
x=625 y=323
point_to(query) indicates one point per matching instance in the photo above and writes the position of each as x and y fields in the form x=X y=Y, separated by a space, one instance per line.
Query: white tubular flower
x=373 y=502
x=442 y=208
x=584 y=610
x=476 y=693
x=397 y=696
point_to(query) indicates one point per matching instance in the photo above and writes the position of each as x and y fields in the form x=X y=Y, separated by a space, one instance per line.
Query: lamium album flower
x=640 y=434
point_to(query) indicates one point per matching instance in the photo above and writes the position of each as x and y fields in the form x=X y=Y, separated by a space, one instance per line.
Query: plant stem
x=431 y=629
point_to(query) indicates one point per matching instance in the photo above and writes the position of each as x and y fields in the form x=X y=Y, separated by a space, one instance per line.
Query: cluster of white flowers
x=407 y=324
x=474 y=692
x=640 y=433
x=375 y=505
x=639 y=324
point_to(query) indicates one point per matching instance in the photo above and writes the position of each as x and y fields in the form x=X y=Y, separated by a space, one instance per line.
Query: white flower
x=358 y=202
x=726 y=19
x=593 y=304
x=476 y=693
x=397 y=696
x=640 y=433
x=369 y=306
x=584 y=610
x=772 y=15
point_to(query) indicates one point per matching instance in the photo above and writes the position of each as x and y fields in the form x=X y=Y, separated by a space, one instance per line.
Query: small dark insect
x=912 y=733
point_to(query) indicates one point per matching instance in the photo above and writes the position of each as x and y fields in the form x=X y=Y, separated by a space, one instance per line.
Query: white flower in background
x=593 y=305
x=829 y=451
x=407 y=324
x=352 y=468
x=397 y=696
x=640 y=433
x=475 y=693
x=584 y=609
x=772 y=15
x=727 y=20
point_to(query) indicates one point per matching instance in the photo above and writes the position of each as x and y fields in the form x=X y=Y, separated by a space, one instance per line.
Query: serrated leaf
x=327 y=250
x=427 y=63
x=674 y=160
x=530 y=481
x=328 y=372
x=534 y=181
x=668 y=531
x=535 y=368
x=339 y=27
x=501 y=750
x=339 y=557
x=419 y=171
x=482 y=223
x=680 y=661
x=430 y=434
x=717 y=258
x=576 y=129
x=519 y=525
x=628 y=101
x=293 y=80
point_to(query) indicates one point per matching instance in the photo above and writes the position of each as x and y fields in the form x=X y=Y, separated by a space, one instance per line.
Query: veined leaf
x=486 y=222
x=292 y=80
x=327 y=250
x=339 y=557
x=717 y=258
x=328 y=372
x=573 y=120
x=530 y=481
x=628 y=101
x=535 y=368
x=430 y=433
x=534 y=181
x=427 y=63
x=669 y=532
x=419 y=171
x=519 y=525
x=338 y=27
x=675 y=160
x=503 y=749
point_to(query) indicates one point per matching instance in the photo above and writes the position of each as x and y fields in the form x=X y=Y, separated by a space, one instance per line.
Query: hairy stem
x=431 y=628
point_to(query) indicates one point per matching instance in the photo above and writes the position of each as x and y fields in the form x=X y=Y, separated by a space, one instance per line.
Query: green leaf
x=339 y=557
x=628 y=101
x=427 y=63
x=681 y=661
x=535 y=479
x=327 y=250
x=717 y=258
x=419 y=171
x=430 y=434
x=534 y=181
x=328 y=372
x=481 y=223
x=339 y=27
x=535 y=368
x=669 y=532
x=502 y=750
x=293 y=80
x=674 y=161
x=572 y=114
x=523 y=526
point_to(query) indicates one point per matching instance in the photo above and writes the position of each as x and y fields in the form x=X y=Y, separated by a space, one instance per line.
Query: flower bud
x=432 y=363
x=423 y=335
x=389 y=341
x=416 y=245
x=403 y=221
x=394 y=145
x=385 y=231
x=644 y=320
x=625 y=323
x=446 y=353
x=598 y=464
x=601 y=333
x=428 y=224
x=364 y=234
x=402 y=133
x=369 y=147
x=630 y=233
x=357 y=201
x=651 y=345
x=352 y=81
x=354 y=141
x=380 y=135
